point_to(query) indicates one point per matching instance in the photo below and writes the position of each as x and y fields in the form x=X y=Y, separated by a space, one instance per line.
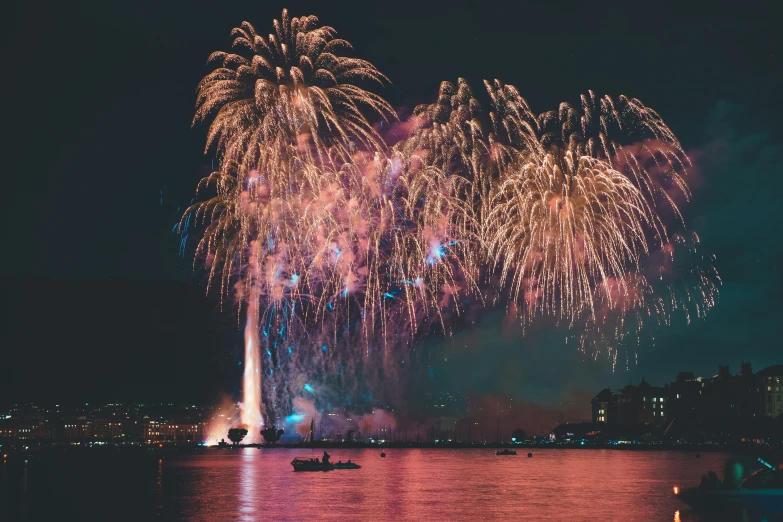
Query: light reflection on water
x=249 y=493
x=159 y=489
x=436 y=484
x=439 y=485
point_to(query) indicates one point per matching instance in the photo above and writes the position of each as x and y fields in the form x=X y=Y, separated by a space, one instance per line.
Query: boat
x=759 y=494
x=309 y=464
x=506 y=452
x=346 y=465
x=306 y=464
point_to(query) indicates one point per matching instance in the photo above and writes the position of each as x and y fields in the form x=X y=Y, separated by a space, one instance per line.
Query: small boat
x=307 y=464
x=761 y=493
x=506 y=452
x=346 y=465
x=304 y=464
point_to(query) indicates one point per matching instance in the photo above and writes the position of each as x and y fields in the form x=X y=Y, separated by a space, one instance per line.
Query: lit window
x=654 y=399
x=654 y=413
x=678 y=395
x=661 y=399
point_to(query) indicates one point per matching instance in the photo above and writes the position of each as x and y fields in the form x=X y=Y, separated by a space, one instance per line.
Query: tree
x=271 y=435
x=236 y=435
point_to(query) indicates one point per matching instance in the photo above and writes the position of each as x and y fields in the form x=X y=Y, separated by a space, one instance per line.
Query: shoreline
x=740 y=448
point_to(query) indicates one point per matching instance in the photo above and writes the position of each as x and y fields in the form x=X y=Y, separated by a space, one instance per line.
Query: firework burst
x=633 y=138
x=343 y=251
x=294 y=85
x=561 y=225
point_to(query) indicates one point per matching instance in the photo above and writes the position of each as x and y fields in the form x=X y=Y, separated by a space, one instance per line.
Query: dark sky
x=100 y=157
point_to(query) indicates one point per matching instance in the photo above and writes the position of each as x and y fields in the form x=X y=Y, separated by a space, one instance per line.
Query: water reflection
x=159 y=490
x=444 y=484
x=252 y=484
x=25 y=488
x=249 y=493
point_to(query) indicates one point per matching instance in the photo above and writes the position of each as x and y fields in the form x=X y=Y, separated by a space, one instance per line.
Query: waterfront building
x=769 y=383
x=164 y=431
x=30 y=431
x=694 y=400
x=108 y=430
x=76 y=430
x=605 y=407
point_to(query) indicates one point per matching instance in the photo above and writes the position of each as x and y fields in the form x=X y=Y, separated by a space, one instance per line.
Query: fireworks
x=289 y=87
x=632 y=137
x=343 y=251
x=560 y=225
x=689 y=278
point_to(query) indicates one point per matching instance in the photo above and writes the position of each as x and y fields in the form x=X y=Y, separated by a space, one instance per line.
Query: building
x=107 y=430
x=749 y=392
x=605 y=407
x=31 y=431
x=640 y=404
x=769 y=383
x=35 y=431
x=688 y=397
x=643 y=404
x=695 y=400
x=76 y=430
x=654 y=404
x=163 y=431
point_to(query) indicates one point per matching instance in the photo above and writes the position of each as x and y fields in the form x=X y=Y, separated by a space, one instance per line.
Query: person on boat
x=326 y=457
x=733 y=475
x=710 y=481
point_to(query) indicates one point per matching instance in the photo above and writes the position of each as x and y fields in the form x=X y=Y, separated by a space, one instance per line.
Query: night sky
x=100 y=158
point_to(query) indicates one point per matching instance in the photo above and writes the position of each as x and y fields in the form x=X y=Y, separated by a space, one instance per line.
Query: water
x=411 y=484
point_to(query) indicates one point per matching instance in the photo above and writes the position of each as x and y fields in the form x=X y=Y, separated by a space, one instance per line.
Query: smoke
x=737 y=218
x=332 y=424
x=495 y=417
x=225 y=415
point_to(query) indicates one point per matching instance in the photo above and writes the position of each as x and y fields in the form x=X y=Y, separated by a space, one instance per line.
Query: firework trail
x=344 y=252
x=688 y=278
x=678 y=281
